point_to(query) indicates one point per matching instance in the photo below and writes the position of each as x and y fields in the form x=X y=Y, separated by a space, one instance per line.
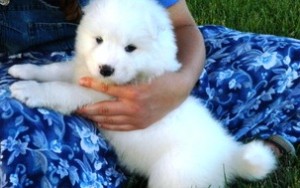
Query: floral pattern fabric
x=43 y=148
x=250 y=83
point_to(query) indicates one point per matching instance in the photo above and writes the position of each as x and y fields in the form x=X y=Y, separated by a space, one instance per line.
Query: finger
x=111 y=90
x=117 y=127
x=117 y=91
x=111 y=120
x=94 y=109
x=106 y=108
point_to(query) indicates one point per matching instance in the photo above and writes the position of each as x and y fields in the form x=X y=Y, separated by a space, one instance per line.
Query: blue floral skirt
x=251 y=83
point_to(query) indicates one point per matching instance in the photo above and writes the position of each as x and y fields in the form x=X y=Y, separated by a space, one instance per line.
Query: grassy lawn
x=278 y=17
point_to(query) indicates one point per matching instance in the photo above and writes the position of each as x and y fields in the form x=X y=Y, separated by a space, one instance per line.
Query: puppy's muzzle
x=106 y=70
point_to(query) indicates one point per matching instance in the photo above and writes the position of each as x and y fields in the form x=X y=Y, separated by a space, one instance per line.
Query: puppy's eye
x=99 y=40
x=130 y=48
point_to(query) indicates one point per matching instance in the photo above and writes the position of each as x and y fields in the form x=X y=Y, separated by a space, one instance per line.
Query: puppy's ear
x=85 y=9
x=93 y=7
x=157 y=22
x=151 y=27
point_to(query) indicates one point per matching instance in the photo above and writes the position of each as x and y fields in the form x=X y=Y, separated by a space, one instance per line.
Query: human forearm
x=191 y=49
x=191 y=53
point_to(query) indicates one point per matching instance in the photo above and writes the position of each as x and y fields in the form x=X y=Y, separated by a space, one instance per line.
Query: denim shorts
x=34 y=25
x=37 y=25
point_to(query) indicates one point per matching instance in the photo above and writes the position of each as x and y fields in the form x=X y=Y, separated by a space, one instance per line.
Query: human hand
x=135 y=106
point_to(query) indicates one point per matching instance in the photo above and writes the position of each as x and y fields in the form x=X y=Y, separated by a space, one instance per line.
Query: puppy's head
x=122 y=41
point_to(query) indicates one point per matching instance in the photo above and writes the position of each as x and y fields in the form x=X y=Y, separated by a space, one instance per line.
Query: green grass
x=278 y=17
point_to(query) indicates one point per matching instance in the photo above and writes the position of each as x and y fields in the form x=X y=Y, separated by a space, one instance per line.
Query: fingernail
x=84 y=81
x=104 y=87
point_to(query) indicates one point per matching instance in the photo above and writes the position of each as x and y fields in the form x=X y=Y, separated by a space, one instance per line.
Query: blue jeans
x=34 y=25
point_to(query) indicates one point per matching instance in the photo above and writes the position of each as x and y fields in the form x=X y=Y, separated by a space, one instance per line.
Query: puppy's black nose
x=106 y=70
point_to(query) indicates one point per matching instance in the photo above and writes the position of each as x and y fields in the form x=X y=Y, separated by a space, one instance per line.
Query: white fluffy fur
x=188 y=147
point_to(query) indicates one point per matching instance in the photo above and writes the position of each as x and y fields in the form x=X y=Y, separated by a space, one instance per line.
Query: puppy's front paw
x=29 y=92
x=25 y=71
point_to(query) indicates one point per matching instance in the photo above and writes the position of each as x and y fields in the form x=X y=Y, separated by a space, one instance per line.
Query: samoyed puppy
x=130 y=41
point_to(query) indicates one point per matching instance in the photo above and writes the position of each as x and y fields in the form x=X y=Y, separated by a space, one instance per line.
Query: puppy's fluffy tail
x=254 y=161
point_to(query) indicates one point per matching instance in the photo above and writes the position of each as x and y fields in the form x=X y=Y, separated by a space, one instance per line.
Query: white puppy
x=130 y=41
